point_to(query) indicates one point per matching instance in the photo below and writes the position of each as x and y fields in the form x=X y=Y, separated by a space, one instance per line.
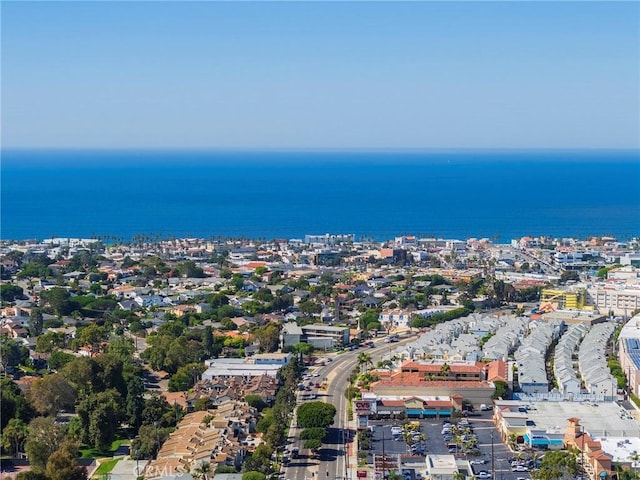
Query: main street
x=333 y=461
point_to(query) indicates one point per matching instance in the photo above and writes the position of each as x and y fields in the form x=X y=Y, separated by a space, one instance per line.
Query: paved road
x=333 y=462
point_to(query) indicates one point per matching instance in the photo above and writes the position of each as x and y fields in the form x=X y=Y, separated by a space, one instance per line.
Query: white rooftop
x=620 y=448
x=604 y=419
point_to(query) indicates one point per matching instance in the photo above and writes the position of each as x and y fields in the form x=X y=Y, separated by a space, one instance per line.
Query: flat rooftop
x=441 y=464
x=599 y=420
x=622 y=449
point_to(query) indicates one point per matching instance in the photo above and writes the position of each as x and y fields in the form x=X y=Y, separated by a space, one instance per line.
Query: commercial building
x=317 y=335
x=403 y=384
x=441 y=467
x=552 y=299
x=373 y=405
x=620 y=299
x=629 y=353
x=259 y=364
x=544 y=425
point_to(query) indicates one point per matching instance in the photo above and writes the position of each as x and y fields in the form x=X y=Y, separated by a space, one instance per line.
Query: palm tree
x=635 y=457
x=202 y=470
x=513 y=439
x=364 y=359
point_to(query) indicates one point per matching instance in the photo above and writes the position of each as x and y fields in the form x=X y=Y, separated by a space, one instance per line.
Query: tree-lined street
x=332 y=461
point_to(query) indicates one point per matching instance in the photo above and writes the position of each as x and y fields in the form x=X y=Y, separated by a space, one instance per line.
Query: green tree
x=255 y=401
x=134 y=403
x=31 y=475
x=281 y=302
x=367 y=318
x=556 y=465
x=122 y=348
x=313 y=444
x=44 y=438
x=316 y=414
x=62 y=464
x=12 y=353
x=81 y=372
x=260 y=460
x=10 y=292
x=190 y=270
x=202 y=471
x=302 y=350
x=157 y=410
x=14 y=436
x=236 y=281
x=317 y=433
x=260 y=271
x=186 y=377
x=36 y=268
x=501 y=389
x=109 y=374
x=263 y=295
x=225 y=469
x=49 y=341
x=217 y=300
x=100 y=415
x=201 y=404
x=364 y=360
x=309 y=307
x=275 y=435
x=57 y=298
x=268 y=337
x=149 y=440
x=13 y=404
x=253 y=476
x=52 y=394
x=91 y=335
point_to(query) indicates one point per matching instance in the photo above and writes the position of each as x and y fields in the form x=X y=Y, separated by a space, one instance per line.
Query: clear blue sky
x=321 y=75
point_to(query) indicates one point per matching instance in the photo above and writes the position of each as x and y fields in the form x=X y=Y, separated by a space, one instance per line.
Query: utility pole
x=582 y=470
x=384 y=458
x=346 y=453
x=493 y=465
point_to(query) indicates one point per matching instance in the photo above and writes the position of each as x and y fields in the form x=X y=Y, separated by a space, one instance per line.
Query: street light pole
x=493 y=466
x=155 y=424
x=136 y=453
x=582 y=470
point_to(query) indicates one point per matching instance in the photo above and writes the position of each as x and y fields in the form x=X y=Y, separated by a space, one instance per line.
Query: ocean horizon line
x=298 y=158
x=323 y=149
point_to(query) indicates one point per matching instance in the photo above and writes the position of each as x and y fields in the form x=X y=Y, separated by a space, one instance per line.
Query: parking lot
x=492 y=457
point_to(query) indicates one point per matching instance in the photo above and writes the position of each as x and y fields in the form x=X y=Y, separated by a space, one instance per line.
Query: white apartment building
x=620 y=299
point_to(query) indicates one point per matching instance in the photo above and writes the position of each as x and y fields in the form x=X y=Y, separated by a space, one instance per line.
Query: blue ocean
x=287 y=194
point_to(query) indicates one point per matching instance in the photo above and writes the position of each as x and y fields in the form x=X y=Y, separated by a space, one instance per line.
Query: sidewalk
x=352 y=449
